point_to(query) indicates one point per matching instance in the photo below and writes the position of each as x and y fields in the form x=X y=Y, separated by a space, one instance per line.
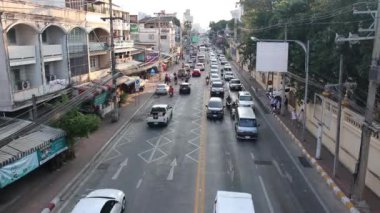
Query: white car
x=160 y=114
x=214 y=77
x=214 y=66
x=101 y=200
x=200 y=66
x=245 y=100
x=162 y=89
x=228 y=76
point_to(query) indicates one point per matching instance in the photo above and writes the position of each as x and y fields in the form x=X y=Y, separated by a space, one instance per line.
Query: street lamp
x=306 y=48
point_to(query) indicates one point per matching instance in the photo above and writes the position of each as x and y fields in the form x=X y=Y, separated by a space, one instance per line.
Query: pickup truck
x=159 y=114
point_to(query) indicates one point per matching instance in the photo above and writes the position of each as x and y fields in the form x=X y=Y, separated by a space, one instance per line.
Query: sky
x=203 y=11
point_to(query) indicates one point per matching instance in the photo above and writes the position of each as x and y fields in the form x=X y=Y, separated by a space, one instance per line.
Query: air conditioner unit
x=25 y=85
x=52 y=77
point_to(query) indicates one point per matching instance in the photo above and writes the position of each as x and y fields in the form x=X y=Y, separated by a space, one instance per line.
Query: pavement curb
x=56 y=200
x=329 y=181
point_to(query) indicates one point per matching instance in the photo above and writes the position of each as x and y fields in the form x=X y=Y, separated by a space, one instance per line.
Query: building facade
x=45 y=48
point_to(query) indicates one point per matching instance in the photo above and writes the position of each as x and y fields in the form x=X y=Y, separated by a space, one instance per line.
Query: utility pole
x=283 y=76
x=337 y=138
x=115 y=114
x=367 y=128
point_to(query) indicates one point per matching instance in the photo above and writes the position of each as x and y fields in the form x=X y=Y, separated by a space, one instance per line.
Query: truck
x=181 y=73
x=232 y=202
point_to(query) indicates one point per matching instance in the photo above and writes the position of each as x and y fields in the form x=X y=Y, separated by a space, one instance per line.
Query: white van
x=233 y=202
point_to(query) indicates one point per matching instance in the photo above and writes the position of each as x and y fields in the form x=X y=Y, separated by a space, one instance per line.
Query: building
x=45 y=48
x=158 y=31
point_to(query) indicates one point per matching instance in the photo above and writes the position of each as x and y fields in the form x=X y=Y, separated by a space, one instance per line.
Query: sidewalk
x=344 y=178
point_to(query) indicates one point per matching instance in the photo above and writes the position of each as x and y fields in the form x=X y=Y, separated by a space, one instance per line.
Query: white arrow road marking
x=171 y=172
x=139 y=183
x=122 y=165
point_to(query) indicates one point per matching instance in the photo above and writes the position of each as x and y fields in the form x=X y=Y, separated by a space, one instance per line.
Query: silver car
x=161 y=89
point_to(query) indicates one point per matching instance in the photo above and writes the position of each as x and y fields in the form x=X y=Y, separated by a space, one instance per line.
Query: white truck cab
x=233 y=202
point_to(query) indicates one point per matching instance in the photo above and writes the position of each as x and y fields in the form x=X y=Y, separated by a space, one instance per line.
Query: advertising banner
x=134 y=28
x=56 y=147
x=272 y=56
x=150 y=57
x=18 y=169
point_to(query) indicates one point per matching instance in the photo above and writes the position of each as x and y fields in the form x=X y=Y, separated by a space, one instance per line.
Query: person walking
x=300 y=117
x=294 y=117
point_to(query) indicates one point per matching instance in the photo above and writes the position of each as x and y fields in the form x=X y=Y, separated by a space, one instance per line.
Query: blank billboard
x=272 y=57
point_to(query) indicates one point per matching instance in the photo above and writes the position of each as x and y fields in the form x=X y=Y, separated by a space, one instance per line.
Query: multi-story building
x=46 y=47
x=149 y=33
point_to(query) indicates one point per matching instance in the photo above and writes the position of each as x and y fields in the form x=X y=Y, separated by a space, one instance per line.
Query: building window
x=151 y=36
x=11 y=36
x=93 y=63
x=44 y=37
x=163 y=37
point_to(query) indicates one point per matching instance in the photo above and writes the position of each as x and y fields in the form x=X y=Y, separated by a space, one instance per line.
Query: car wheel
x=150 y=125
x=124 y=204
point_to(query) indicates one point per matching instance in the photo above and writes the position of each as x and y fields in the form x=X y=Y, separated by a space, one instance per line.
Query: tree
x=76 y=124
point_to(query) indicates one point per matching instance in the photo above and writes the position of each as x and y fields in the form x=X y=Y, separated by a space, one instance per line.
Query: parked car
x=215 y=108
x=196 y=73
x=184 y=88
x=217 y=89
x=235 y=84
x=159 y=114
x=102 y=200
x=162 y=89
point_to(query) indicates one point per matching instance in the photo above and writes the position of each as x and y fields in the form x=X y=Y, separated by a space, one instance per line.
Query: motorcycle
x=207 y=81
x=175 y=81
x=171 y=93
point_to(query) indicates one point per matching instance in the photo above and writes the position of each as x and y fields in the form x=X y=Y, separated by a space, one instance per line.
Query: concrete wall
x=5 y=87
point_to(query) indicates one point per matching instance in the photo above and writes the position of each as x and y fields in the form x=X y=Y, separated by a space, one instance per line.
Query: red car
x=196 y=73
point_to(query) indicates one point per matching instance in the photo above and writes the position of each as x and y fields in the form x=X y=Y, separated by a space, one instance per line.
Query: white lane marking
x=297 y=165
x=173 y=164
x=139 y=183
x=266 y=195
x=289 y=177
x=122 y=165
x=278 y=168
x=252 y=156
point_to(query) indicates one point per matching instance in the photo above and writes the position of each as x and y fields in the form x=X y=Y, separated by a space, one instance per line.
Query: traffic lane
x=231 y=166
x=150 y=151
x=317 y=191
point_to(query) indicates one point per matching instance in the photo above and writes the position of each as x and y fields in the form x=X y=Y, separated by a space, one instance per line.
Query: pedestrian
x=278 y=104
x=294 y=117
x=286 y=103
x=301 y=117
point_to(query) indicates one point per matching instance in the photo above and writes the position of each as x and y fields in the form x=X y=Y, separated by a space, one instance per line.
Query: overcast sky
x=203 y=11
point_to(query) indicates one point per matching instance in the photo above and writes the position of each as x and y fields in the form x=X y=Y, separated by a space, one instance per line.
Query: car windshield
x=235 y=81
x=245 y=98
x=215 y=104
x=245 y=122
x=184 y=86
x=161 y=86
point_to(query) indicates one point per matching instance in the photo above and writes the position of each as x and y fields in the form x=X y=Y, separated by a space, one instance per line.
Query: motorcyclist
x=228 y=100
x=175 y=79
x=207 y=80
x=171 y=90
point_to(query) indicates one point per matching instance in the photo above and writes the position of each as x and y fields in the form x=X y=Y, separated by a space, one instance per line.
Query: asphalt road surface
x=179 y=168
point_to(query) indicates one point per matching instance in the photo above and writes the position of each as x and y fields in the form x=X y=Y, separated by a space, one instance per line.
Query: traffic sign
x=137 y=84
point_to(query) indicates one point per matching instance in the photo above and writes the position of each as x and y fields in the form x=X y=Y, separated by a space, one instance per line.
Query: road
x=180 y=167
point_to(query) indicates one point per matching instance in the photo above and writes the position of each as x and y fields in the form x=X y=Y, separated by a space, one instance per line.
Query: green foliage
x=123 y=98
x=304 y=22
x=76 y=124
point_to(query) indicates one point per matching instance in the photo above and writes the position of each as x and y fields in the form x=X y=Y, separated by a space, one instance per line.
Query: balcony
x=22 y=55
x=25 y=91
x=98 y=47
x=124 y=44
x=52 y=52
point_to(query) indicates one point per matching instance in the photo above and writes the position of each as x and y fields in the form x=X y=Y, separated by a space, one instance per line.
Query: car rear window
x=235 y=81
x=217 y=84
x=215 y=104
x=158 y=109
x=245 y=122
x=246 y=98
